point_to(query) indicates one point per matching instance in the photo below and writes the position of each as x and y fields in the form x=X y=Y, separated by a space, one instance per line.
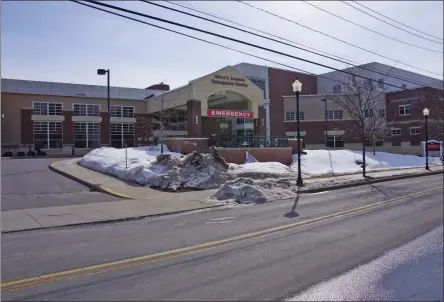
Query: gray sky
x=64 y=42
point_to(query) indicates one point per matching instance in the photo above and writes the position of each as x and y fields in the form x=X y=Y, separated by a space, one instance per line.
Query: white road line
x=213 y=222
x=222 y=218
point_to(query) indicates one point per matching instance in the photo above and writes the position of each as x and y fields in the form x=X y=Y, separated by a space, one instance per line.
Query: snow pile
x=261 y=170
x=247 y=190
x=167 y=171
x=329 y=162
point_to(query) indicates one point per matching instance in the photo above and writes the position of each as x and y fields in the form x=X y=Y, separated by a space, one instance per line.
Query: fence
x=254 y=142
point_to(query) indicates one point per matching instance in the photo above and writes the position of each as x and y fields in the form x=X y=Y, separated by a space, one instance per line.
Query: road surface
x=262 y=252
x=28 y=183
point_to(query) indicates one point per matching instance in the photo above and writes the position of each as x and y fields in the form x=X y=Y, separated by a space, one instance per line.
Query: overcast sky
x=65 y=42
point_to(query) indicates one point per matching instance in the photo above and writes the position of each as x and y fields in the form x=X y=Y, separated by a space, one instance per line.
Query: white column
x=267 y=109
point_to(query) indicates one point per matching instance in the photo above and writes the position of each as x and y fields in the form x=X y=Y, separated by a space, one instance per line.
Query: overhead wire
x=395 y=26
x=391 y=19
x=371 y=30
x=218 y=35
x=337 y=39
x=384 y=73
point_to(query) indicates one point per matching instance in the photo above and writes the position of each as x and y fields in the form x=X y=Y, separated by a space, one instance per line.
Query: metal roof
x=74 y=90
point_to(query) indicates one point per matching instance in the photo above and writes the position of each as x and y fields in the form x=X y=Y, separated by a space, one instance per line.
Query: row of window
x=329 y=114
x=413 y=131
x=366 y=83
x=49 y=135
x=46 y=108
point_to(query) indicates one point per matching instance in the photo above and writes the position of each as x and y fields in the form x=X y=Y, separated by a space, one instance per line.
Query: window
x=381 y=83
x=223 y=120
x=403 y=86
x=259 y=83
x=86 y=135
x=122 y=134
x=48 y=135
x=334 y=114
x=45 y=108
x=245 y=134
x=382 y=112
x=337 y=88
x=291 y=115
x=404 y=109
x=86 y=110
x=335 y=141
x=368 y=113
x=240 y=121
x=415 y=130
x=396 y=132
x=122 y=111
x=223 y=133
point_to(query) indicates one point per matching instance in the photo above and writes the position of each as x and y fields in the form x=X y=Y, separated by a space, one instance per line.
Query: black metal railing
x=254 y=142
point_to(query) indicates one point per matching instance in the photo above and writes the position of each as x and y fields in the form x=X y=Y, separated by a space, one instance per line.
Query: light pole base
x=427 y=168
x=299 y=183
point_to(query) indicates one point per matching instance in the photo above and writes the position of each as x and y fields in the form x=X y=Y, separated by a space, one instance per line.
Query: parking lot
x=28 y=183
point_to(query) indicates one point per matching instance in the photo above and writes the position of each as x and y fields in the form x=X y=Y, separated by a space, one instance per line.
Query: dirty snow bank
x=194 y=171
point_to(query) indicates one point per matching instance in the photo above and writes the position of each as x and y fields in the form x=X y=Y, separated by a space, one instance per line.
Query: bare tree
x=363 y=101
x=436 y=119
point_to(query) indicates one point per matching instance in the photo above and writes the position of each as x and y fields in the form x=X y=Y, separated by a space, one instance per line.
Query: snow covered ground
x=336 y=162
x=250 y=182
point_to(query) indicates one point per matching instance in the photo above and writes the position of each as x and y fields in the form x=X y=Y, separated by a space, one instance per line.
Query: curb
x=88 y=184
x=114 y=220
x=370 y=181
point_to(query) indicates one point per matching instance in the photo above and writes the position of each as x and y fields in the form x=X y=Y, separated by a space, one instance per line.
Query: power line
x=337 y=39
x=258 y=30
x=369 y=29
x=252 y=33
x=364 y=12
x=210 y=42
x=228 y=38
x=403 y=24
x=291 y=41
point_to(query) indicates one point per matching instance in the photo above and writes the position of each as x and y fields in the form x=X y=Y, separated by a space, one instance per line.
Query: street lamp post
x=297 y=88
x=326 y=120
x=426 y=112
x=107 y=72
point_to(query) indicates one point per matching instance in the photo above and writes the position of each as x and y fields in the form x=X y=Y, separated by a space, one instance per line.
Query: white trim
x=87 y=119
x=47 y=109
x=73 y=104
x=123 y=120
x=404 y=105
x=48 y=118
x=415 y=127
x=394 y=129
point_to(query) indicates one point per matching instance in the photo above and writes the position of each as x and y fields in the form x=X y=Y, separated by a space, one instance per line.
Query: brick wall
x=279 y=86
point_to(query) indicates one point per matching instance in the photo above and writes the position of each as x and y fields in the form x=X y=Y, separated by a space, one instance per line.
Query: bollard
x=126 y=156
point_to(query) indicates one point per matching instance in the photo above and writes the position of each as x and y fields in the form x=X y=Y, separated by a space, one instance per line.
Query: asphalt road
x=264 y=266
x=28 y=183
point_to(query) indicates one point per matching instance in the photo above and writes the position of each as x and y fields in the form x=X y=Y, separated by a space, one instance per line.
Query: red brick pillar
x=27 y=127
x=68 y=129
x=104 y=126
x=194 y=118
x=261 y=126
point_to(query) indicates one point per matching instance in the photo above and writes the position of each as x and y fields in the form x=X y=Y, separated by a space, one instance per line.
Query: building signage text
x=229 y=81
x=230 y=113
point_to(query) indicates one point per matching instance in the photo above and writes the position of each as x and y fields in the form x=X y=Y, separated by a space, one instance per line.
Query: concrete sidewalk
x=143 y=201
x=37 y=218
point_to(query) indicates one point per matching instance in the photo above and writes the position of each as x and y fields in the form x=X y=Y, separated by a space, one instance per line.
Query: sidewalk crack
x=100 y=211
x=24 y=210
